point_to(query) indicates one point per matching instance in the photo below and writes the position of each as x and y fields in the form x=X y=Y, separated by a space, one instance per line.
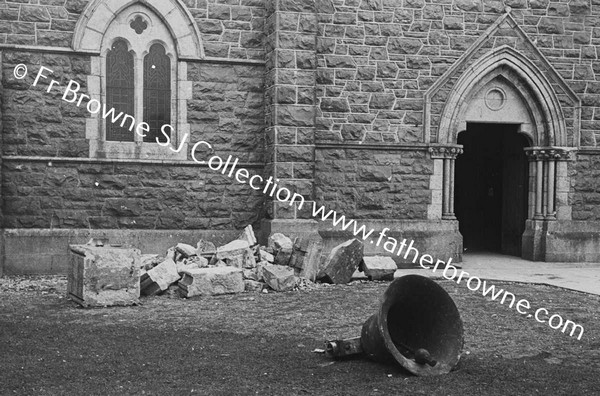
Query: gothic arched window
x=120 y=88
x=157 y=92
x=158 y=37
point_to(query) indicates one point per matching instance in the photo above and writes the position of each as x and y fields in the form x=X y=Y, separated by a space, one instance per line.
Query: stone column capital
x=550 y=153
x=445 y=152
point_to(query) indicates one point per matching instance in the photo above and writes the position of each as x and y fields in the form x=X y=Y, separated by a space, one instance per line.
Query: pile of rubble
x=240 y=265
x=243 y=265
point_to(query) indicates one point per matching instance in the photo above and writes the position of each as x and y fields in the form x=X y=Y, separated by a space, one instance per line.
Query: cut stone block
x=279 y=277
x=236 y=254
x=282 y=248
x=248 y=236
x=192 y=262
x=266 y=256
x=171 y=253
x=279 y=241
x=104 y=276
x=342 y=262
x=306 y=258
x=259 y=270
x=186 y=250
x=205 y=248
x=211 y=281
x=159 y=278
x=378 y=267
x=249 y=274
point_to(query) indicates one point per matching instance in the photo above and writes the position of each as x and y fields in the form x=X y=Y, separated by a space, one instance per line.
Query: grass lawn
x=262 y=344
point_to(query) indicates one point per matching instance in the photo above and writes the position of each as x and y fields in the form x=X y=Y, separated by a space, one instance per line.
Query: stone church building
x=460 y=124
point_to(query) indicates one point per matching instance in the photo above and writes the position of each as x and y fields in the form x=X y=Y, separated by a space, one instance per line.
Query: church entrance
x=491 y=188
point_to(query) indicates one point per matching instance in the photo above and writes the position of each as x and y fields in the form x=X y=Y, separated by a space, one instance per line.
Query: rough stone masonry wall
x=123 y=196
x=226 y=110
x=374 y=184
x=37 y=123
x=231 y=29
x=377 y=58
x=585 y=198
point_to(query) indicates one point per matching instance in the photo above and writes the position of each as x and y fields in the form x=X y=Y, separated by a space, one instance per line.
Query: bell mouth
x=417 y=314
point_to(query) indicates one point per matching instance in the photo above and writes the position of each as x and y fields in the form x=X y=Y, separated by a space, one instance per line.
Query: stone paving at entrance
x=583 y=277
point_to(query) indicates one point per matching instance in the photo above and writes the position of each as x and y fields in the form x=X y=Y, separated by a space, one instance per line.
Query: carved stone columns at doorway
x=442 y=181
x=549 y=183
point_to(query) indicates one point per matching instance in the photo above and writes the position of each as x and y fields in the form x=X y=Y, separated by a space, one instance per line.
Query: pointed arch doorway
x=503 y=86
x=491 y=188
x=505 y=106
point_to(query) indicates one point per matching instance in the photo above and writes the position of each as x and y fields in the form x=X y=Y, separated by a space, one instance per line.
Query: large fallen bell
x=417 y=326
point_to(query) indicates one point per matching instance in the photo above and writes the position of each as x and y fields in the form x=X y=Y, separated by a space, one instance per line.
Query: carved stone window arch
x=164 y=24
x=99 y=14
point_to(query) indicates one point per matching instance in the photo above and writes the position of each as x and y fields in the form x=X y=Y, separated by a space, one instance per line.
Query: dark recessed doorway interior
x=491 y=188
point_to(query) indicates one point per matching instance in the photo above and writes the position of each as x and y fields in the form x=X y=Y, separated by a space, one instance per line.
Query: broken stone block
x=282 y=248
x=342 y=262
x=171 y=254
x=185 y=250
x=312 y=261
x=159 y=278
x=378 y=267
x=279 y=277
x=279 y=241
x=259 y=270
x=236 y=254
x=253 y=286
x=192 y=262
x=306 y=258
x=211 y=281
x=248 y=236
x=198 y=261
x=149 y=261
x=104 y=276
x=205 y=248
x=236 y=244
x=250 y=274
x=266 y=256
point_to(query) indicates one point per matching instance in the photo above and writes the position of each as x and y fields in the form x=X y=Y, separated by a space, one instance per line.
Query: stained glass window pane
x=119 y=90
x=157 y=92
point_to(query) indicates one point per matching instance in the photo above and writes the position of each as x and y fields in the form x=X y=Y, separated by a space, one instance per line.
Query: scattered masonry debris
x=211 y=281
x=206 y=270
x=378 y=267
x=342 y=262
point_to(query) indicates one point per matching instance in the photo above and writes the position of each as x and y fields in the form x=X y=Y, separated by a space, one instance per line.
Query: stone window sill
x=135 y=150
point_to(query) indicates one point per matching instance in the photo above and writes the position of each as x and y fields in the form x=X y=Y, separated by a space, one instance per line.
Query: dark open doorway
x=491 y=188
